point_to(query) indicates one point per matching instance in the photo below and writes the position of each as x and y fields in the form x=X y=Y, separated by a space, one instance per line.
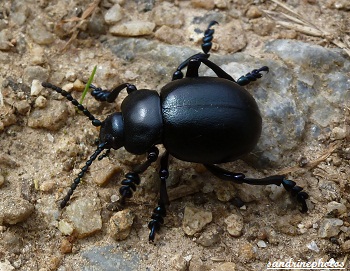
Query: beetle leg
x=290 y=186
x=178 y=73
x=251 y=76
x=193 y=66
x=208 y=37
x=132 y=179
x=110 y=96
x=160 y=211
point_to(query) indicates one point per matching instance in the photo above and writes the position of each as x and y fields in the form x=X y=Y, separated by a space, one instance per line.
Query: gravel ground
x=44 y=142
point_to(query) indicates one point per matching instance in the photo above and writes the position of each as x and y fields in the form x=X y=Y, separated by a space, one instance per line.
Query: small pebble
x=336 y=207
x=338 y=133
x=14 y=210
x=84 y=214
x=133 y=28
x=208 y=239
x=5 y=37
x=36 y=88
x=47 y=186
x=339 y=4
x=234 y=224
x=178 y=263
x=120 y=224
x=102 y=177
x=346 y=246
x=114 y=14
x=66 y=246
x=22 y=107
x=78 y=85
x=206 y=4
x=2 y=180
x=246 y=252
x=223 y=4
x=195 y=220
x=65 y=227
x=313 y=246
x=40 y=102
x=52 y=117
x=228 y=266
x=261 y=244
x=37 y=56
x=253 y=12
x=71 y=76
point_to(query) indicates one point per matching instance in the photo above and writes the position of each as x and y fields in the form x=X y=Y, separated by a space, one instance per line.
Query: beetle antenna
x=84 y=169
x=208 y=37
x=69 y=97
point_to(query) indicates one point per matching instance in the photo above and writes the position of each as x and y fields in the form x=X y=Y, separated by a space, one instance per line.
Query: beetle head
x=112 y=131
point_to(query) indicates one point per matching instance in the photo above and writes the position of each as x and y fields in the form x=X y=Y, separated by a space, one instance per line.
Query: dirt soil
x=39 y=164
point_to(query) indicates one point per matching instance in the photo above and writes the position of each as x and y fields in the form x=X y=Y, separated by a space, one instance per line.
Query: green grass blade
x=87 y=86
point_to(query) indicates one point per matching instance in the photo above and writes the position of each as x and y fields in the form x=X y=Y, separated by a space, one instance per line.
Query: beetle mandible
x=207 y=120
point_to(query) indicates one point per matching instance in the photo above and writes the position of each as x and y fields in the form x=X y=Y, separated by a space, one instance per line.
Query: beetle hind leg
x=290 y=186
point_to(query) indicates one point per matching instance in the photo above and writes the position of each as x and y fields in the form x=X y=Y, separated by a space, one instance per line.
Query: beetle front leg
x=132 y=179
x=110 y=96
x=160 y=211
x=290 y=186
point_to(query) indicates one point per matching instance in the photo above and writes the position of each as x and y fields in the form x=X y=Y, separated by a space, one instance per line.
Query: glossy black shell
x=208 y=120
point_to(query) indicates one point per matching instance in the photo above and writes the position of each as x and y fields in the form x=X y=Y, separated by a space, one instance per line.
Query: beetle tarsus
x=252 y=76
x=208 y=37
x=110 y=96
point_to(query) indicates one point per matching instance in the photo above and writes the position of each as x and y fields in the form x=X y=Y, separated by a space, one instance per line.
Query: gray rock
x=168 y=14
x=330 y=227
x=108 y=259
x=208 y=239
x=299 y=98
x=52 y=117
x=5 y=37
x=35 y=72
x=195 y=220
x=14 y=209
x=40 y=35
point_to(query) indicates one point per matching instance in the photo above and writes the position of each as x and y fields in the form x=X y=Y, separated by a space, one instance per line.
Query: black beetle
x=206 y=120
